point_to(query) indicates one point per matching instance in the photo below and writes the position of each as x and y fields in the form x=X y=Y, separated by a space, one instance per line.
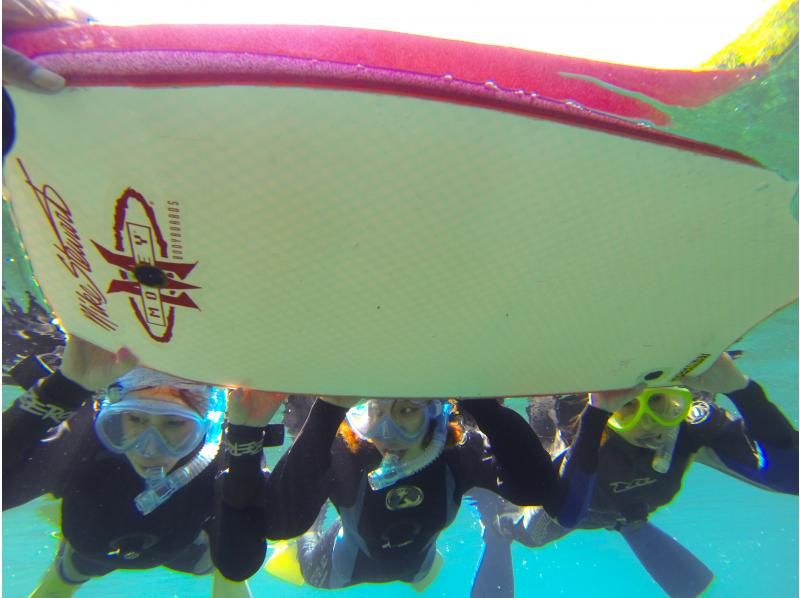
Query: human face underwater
x=646 y=420
x=153 y=427
x=392 y=425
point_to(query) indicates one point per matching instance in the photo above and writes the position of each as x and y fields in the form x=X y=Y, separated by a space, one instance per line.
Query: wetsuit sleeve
x=238 y=546
x=9 y=124
x=26 y=424
x=300 y=484
x=517 y=468
x=761 y=447
x=579 y=471
x=245 y=481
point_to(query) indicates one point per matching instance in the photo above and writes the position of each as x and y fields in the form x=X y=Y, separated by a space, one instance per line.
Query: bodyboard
x=337 y=211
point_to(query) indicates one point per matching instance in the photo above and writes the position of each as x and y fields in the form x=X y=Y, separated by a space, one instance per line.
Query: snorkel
x=208 y=401
x=160 y=486
x=394 y=466
x=661 y=410
x=662 y=459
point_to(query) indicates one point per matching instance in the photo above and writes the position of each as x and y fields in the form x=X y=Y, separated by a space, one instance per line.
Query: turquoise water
x=747 y=536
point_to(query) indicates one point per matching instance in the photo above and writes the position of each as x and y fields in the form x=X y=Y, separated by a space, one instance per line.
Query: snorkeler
x=135 y=471
x=395 y=471
x=648 y=448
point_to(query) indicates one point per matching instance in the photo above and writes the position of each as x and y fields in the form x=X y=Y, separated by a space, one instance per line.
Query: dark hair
x=295 y=412
x=554 y=415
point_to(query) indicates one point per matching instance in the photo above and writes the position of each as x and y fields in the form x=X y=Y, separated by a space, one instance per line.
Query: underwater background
x=747 y=536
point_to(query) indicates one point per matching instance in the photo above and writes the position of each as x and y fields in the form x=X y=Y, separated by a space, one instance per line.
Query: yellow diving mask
x=667 y=406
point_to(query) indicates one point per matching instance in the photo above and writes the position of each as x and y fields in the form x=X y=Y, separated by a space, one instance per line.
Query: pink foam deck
x=495 y=77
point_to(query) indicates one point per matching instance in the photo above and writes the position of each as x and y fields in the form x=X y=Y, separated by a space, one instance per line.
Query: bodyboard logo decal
x=69 y=251
x=139 y=242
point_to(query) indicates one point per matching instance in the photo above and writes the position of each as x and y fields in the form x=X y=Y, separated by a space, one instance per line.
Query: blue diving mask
x=389 y=422
x=130 y=420
x=150 y=427
x=397 y=423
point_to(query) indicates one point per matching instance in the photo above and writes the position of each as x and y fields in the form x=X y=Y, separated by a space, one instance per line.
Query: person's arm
x=248 y=413
x=578 y=472
x=517 y=466
x=49 y=402
x=84 y=368
x=238 y=545
x=579 y=463
x=36 y=447
x=28 y=421
x=299 y=484
x=761 y=447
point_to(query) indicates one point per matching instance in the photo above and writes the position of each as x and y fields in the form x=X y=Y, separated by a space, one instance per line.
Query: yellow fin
x=223 y=587
x=767 y=38
x=49 y=509
x=284 y=565
x=422 y=584
x=52 y=584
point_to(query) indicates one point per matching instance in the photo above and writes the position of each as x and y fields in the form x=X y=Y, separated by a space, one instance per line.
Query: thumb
x=124 y=362
x=21 y=70
x=236 y=395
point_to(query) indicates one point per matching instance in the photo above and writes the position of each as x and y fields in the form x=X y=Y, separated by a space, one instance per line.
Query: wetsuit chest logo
x=699 y=412
x=404 y=497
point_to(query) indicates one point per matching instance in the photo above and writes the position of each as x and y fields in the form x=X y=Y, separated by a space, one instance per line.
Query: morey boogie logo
x=156 y=285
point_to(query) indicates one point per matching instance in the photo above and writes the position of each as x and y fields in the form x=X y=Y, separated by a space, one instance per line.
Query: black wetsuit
x=390 y=534
x=761 y=447
x=99 y=520
x=9 y=123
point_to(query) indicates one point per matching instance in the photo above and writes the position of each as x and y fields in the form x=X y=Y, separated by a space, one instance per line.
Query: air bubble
x=448 y=78
x=491 y=85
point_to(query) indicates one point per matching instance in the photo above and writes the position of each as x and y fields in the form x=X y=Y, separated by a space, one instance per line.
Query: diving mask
x=394 y=422
x=667 y=406
x=150 y=427
x=395 y=467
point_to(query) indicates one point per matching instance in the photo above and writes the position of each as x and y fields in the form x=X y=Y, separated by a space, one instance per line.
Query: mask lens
x=176 y=431
x=627 y=416
x=387 y=419
x=664 y=406
x=410 y=417
x=669 y=406
x=150 y=427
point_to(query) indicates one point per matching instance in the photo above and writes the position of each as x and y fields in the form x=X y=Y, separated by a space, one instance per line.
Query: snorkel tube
x=160 y=486
x=392 y=469
x=662 y=459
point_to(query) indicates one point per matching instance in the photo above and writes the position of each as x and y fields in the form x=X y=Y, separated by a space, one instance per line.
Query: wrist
x=61 y=388
x=74 y=378
x=243 y=441
x=740 y=383
x=596 y=401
